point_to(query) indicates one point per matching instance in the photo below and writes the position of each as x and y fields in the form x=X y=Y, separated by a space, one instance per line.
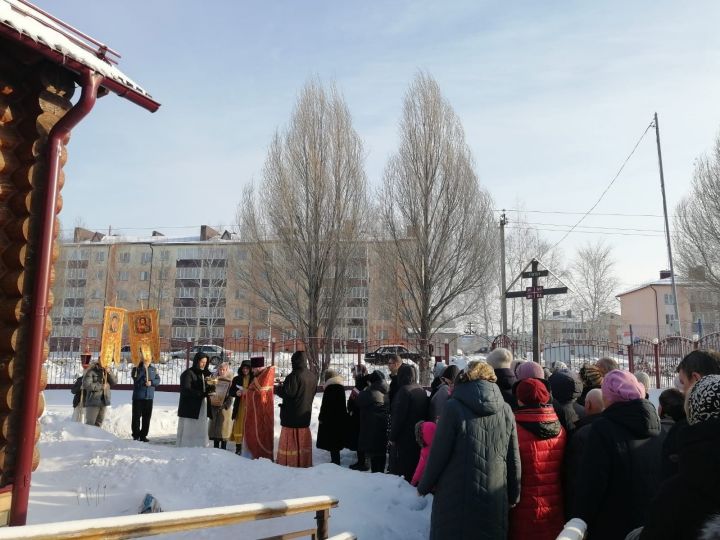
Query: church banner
x=144 y=335
x=113 y=320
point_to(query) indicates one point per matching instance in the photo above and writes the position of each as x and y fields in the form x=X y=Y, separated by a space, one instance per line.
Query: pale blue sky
x=552 y=95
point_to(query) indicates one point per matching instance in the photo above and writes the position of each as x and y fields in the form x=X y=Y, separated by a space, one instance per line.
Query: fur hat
x=591 y=376
x=499 y=358
x=257 y=361
x=532 y=392
x=425 y=433
x=477 y=370
x=621 y=386
x=643 y=378
x=329 y=374
x=703 y=403
x=529 y=370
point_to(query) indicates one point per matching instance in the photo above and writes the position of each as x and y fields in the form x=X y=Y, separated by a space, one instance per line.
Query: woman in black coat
x=410 y=405
x=333 y=417
x=374 y=405
x=193 y=407
x=691 y=497
x=353 y=426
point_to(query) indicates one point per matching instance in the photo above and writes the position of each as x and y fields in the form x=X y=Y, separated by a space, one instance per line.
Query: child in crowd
x=424 y=434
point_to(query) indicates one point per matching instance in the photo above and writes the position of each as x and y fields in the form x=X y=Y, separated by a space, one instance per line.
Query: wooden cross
x=535 y=292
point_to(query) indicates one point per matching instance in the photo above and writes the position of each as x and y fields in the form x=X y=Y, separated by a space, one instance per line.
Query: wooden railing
x=575 y=529
x=137 y=526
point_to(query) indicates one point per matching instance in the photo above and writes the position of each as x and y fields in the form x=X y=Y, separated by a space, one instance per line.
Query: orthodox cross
x=535 y=292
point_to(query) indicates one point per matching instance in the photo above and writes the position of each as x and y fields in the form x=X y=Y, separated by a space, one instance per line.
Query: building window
x=164 y=273
x=100 y=274
x=125 y=257
x=164 y=255
x=144 y=276
x=669 y=318
x=186 y=292
x=183 y=332
x=95 y=294
x=236 y=333
x=262 y=334
x=145 y=258
x=239 y=313
x=239 y=294
x=122 y=294
x=94 y=313
x=144 y=295
x=123 y=275
x=100 y=256
x=383 y=334
x=92 y=332
x=669 y=300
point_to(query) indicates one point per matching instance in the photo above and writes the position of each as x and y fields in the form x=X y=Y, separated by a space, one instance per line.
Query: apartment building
x=195 y=283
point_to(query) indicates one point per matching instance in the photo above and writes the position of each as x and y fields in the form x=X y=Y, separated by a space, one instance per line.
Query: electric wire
x=602 y=195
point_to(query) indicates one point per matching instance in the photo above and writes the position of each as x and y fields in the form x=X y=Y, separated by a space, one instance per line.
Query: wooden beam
x=137 y=526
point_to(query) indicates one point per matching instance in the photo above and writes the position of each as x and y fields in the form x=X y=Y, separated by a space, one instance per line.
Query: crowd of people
x=509 y=449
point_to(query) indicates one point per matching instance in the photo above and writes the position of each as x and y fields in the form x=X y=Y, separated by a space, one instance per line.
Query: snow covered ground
x=86 y=472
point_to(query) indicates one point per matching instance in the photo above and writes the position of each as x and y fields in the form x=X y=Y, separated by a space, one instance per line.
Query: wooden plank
x=138 y=526
x=312 y=533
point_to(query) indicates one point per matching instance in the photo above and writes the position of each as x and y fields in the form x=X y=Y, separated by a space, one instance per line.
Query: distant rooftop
x=207 y=234
x=26 y=23
x=664 y=281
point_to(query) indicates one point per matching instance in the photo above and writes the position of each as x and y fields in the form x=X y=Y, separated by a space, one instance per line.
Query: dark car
x=381 y=355
x=215 y=353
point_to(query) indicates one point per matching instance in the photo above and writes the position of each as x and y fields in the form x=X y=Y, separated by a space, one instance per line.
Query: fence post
x=272 y=352
x=359 y=350
x=322 y=517
x=447 y=352
x=656 y=351
x=631 y=359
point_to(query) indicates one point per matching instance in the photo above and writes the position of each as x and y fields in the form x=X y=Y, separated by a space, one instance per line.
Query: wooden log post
x=323 y=527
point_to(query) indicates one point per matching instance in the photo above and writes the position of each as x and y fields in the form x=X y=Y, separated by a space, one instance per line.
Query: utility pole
x=503 y=301
x=667 y=226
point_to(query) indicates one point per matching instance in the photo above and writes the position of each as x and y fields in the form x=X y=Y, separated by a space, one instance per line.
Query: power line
x=617 y=175
x=593 y=227
x=568 y=231
x=616 y=214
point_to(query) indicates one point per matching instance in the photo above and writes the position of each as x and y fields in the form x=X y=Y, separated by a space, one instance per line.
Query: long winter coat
x=408 y=408
x=424 y=433
x=690 y=498
x=437 y=401
x=541 y=438
x=297 y=392
x=96 y=384
x=373 y=404
x=220 y=425
x=621 y=469
x=192 y=393
x=474 y=465
x=332 y=417
x=140 y=376
x=352 y=432
x=574 y=451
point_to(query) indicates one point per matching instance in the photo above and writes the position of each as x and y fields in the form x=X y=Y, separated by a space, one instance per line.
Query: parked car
x=381 y=355
x=215 y=353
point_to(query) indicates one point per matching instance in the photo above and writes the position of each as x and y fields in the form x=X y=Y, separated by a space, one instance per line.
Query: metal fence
x=659 y=359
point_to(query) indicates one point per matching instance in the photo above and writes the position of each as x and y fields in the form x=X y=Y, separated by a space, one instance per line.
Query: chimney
x=82 y=235
x=157 y=233
x=665 y=274
x=207 y=232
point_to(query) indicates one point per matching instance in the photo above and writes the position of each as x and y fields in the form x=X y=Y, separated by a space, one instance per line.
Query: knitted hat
x=257 y=361
x=704 y=401
x=591 y=376
x=621 y=386
x=499 y=358
x=529 y=370
x=532 y=391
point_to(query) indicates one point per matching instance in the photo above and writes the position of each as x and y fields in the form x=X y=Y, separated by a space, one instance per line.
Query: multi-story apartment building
x=195 y=283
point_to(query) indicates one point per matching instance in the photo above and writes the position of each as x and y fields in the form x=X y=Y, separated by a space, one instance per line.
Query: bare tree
x=437 y=218
x=594 y=280
x=697 y=224
x=305 y=220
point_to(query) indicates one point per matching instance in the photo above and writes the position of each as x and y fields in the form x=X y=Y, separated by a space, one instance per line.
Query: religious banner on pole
x=144 y=335
x=113 y=320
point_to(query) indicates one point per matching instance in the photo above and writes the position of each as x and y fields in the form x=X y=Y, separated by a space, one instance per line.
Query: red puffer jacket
x=539 y=514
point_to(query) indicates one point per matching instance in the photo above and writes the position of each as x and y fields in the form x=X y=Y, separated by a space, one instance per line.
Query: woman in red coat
x=539 y=514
